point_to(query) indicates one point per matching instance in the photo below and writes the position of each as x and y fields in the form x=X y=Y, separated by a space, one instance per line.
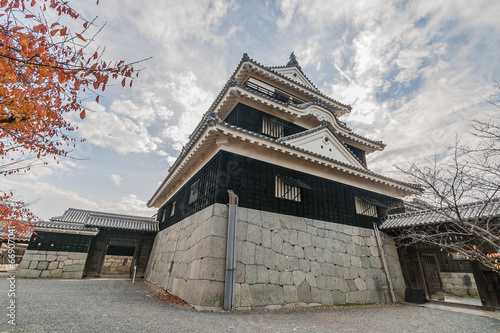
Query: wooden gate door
x=431 y=274
x=96 y=255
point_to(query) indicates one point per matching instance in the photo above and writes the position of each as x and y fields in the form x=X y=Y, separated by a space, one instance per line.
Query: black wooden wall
x=250 y=119
x=51 y=241
x=253 y=181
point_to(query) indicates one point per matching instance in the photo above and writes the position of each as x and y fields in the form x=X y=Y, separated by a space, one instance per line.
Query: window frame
x=194 y=191
x=286 y=191
x=366 y=209
x=272 y=128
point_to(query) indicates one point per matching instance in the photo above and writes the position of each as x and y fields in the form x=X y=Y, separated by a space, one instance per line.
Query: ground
x=120 y=306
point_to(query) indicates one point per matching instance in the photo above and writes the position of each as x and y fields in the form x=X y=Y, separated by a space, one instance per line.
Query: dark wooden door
x=493 y=285
x=96 y=254
x=431 y=274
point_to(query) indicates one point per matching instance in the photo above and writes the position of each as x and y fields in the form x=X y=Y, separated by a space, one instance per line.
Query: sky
x=415 y=73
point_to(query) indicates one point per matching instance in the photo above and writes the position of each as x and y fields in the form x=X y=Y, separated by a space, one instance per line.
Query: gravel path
x=119 y=306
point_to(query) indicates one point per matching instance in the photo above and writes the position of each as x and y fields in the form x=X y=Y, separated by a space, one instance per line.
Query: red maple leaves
x=44 y=70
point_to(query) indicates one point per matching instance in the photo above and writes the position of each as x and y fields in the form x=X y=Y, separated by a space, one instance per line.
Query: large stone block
x=260 y=294
x=303 y=239
x=262 y=274
x=73 y=268
x=45 y=274
x=269 y=258
x=266 y=238
x=24 y=264
x=38 y=257
x=42 y=265
x=51 y=257
x=290 y=294
x=294 y=237
x=286 y=278
x=274 y=277
x=281 y=262
x=298 y=277
x=315 y=268
x=27 y=273
x=322 y=282
x=240 y=272
x=205 y=293
x=68 y=275
x=304 y=265
x=254 y=217
x=221 y=210
x=288 y=249
x=219 y=226
x=251 y=274
x=276 y=294
x=61 y=258
x=293 y=264
x=276 y=243
x=310 y=253
x=360 y=284
x=298 y=223
x=338 y=297
x=259 y=255
x=211 y=246
x=304 y=292
x=212 y=269
x=254 y=234
x=77 y=255
x=320 y=255
x=316 y=295
x=33 y=264
x=299 y=251
x=247 y=253
x=312 y=230
x=244 y=296
x=311 y=279
x=285 y=221
x=271 y=221
x=241 y=231
x=328 y=269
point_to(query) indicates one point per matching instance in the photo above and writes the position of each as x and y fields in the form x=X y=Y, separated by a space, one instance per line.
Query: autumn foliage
x=46 y=72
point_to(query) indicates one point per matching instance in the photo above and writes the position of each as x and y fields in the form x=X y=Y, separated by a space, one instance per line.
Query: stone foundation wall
x=282 y=261
x=454 y=283
x=287 y=261
x=188 y=258
x=52 y=264
x=116 y=265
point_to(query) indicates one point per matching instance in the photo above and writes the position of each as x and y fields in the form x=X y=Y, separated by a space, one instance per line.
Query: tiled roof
x=107 y=220
x=271 y=69
x=349 y=166
x=62 y=225
x=212 y=117
x=443 y=215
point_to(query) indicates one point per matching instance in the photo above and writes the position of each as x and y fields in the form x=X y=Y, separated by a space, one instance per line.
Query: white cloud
x=47 y=200
x=116 y=179
x=193 y=100
x=411 y=70
x=107 y=129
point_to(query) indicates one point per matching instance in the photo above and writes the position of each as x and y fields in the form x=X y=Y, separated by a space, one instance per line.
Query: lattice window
x=272 y=128
x=172 y=209
x=365 y=208
x=286 y=191
x=193 y=193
